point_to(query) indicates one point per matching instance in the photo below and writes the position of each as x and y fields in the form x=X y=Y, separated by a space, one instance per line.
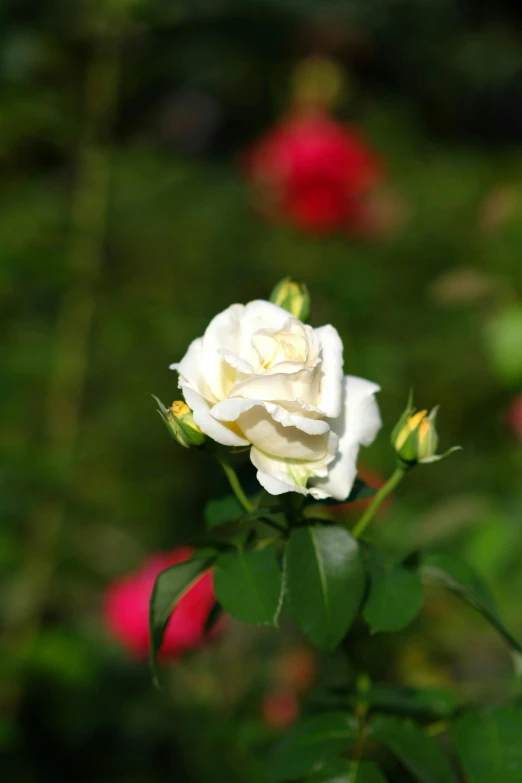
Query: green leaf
x=360 y=491
x=309 y=744
x=416 y=751
x=428 y=703
x=395 y=597
x=458 y=577
x=228 y=509
x=249 y=585
x=325 y=582
x=489 y=745
x=169 y=587
x=338 y=771
x=222 y=510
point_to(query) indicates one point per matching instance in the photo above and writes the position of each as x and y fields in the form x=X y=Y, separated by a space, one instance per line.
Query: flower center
x=280 y=347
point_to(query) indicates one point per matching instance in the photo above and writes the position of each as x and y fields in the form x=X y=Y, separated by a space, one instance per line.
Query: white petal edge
x=331 y=390
x=270 y=475
x=231 y=409
x=358 y=424
x=210 y=426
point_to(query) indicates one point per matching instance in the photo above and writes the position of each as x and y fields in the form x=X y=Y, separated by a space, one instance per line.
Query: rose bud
x=415 y=438
x=279 y=710
x=126 y=609
x=315 y=173
x=180 y=423
x=293 y=297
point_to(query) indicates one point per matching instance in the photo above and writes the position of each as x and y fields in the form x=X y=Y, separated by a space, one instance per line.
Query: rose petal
x=358 y=424
x=330 y=395
x=210 y=426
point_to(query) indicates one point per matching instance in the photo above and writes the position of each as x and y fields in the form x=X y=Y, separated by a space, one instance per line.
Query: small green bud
x=415 y=438
x=293 y=297
x=180 y=423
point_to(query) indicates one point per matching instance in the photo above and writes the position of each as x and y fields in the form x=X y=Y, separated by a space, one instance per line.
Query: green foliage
x=338 y=771
x=489 y=745
x=249 y=585
x=310 y=743
x=325 y=582
x=458 y=577
x=395 y=596
x=411 y=745
x=222 y=510
x=169 y=587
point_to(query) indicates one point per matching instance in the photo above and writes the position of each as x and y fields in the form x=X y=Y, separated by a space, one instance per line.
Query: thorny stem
x=381 y=495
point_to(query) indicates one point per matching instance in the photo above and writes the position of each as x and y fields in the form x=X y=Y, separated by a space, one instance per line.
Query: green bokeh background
x=435 y=87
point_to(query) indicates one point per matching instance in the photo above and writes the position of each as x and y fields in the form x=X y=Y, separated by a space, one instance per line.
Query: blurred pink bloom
x=279 y=709
x=126 y=608
x=316 y=173
x=515 y=415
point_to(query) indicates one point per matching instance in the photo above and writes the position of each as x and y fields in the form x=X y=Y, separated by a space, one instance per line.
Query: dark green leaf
x=222 y=510
x=169 y=587
x=228 y=509
x=489 y=745
x=430 y=703
x=464 y=582
x=418 y=752
x=325 y=582
x=309 y=744
x=249 y=585
x=395 y=597
x=338 y=771
x=360 y=491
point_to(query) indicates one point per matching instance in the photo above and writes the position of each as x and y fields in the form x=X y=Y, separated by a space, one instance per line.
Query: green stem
x=381 y=495
x=235 y=485
x=361 y=711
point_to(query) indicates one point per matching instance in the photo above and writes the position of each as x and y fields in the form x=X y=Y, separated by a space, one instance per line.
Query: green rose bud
x=415 y=438
x=293 y=297
x=180 y=423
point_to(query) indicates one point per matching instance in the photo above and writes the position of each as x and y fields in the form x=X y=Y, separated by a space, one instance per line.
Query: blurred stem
x=361 y=711
x=63 y=403
x=234 y=482
x=381 y=495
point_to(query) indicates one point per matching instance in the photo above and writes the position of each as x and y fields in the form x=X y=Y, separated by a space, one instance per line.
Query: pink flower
x=126 y=608
x=315 y=173
x=515 y=416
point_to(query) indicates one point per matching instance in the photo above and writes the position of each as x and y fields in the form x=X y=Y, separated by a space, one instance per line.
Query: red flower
x=515 y=416
x=315 y=173
x=126 y=608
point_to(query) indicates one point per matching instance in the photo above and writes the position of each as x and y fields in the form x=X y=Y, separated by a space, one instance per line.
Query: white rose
x=259 y=377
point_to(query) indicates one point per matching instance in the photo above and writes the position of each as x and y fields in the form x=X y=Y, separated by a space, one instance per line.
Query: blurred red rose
x=126 y=608
x=315 y=173
x=279 y=709
x=515 y=415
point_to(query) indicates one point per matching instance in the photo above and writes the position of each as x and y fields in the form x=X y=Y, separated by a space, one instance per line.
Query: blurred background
x=160 y=160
